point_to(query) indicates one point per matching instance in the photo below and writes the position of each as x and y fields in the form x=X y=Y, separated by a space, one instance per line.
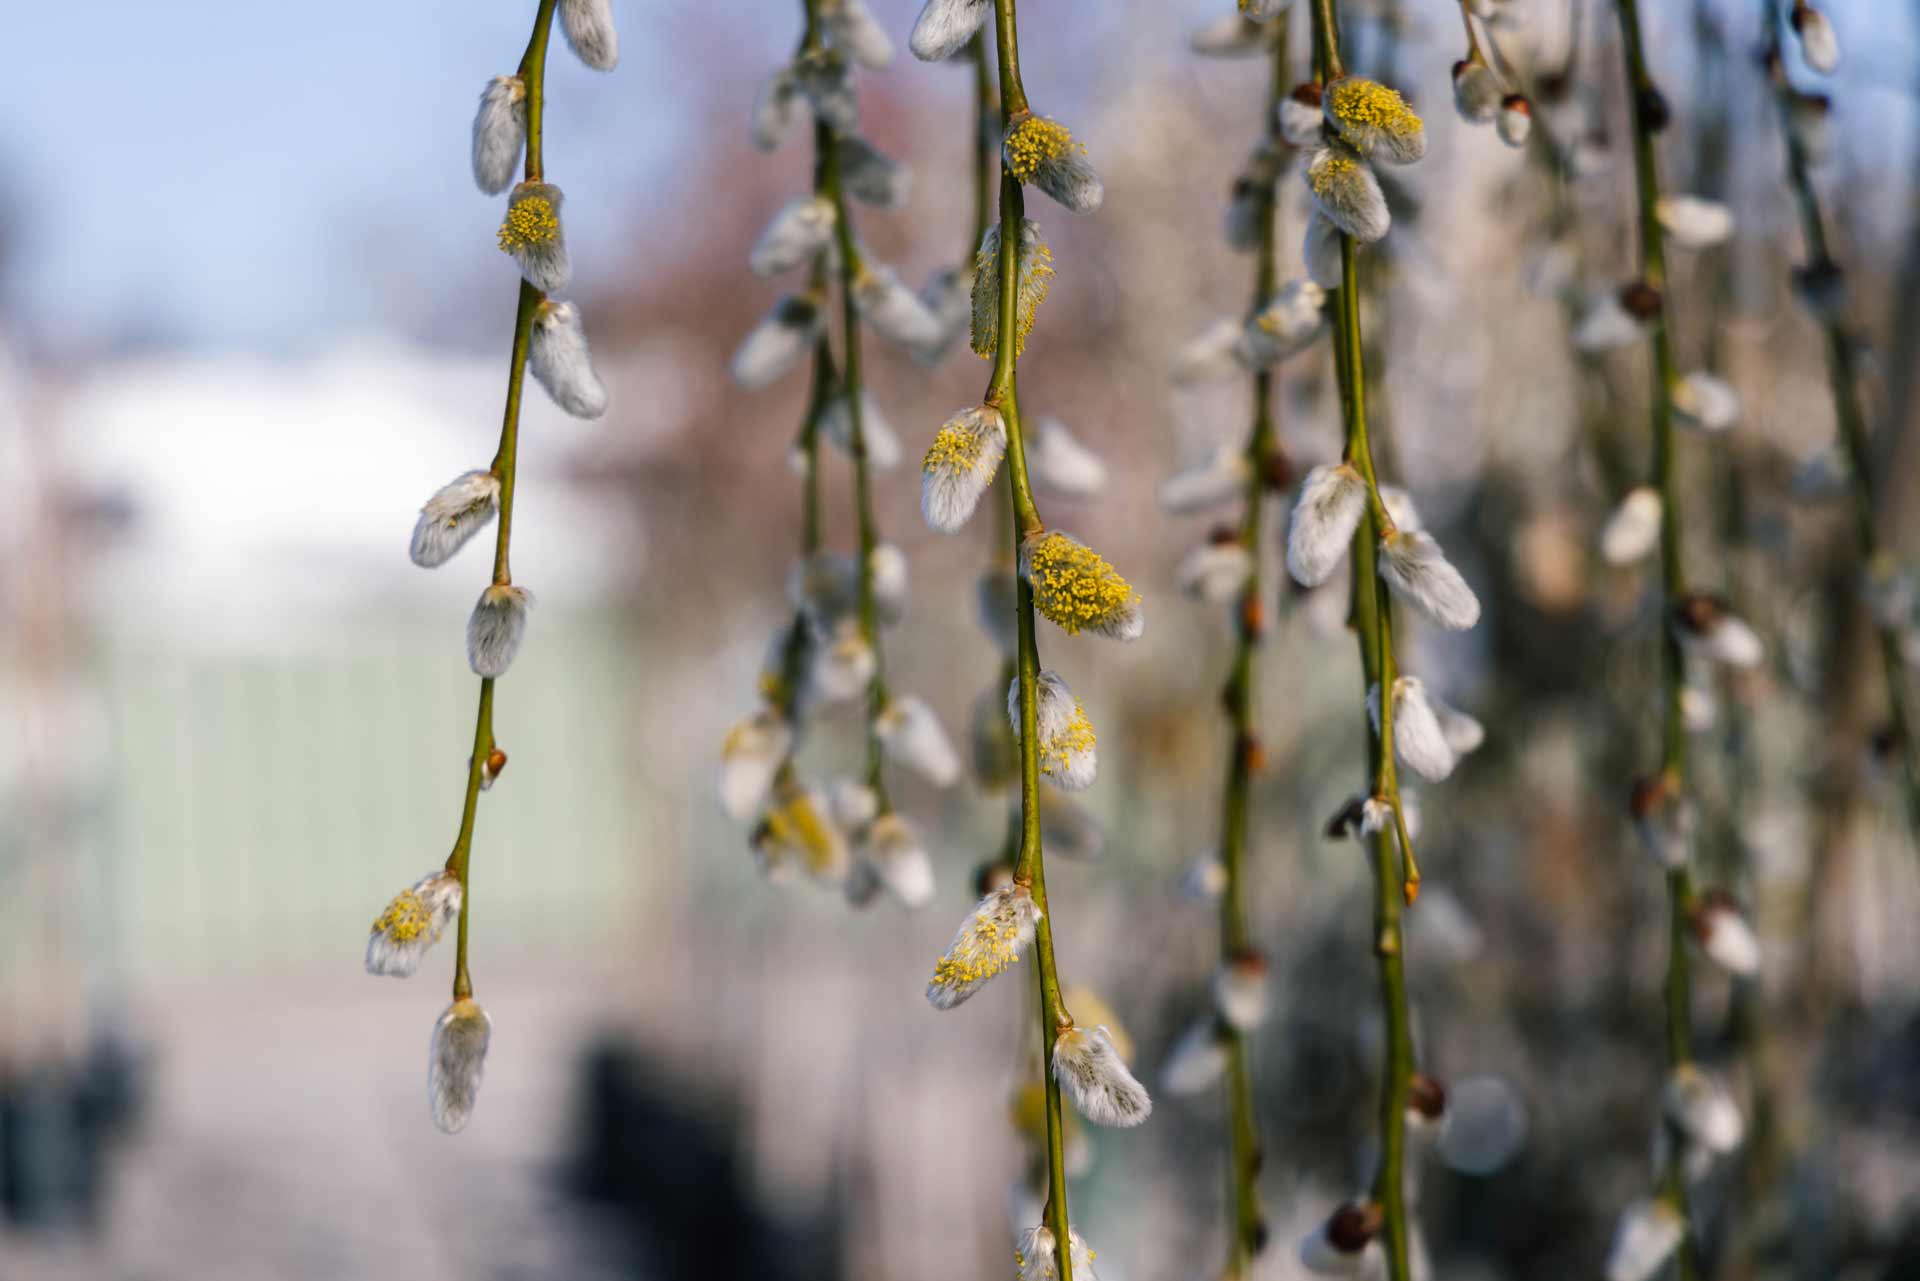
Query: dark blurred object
x=653 y=1148
x=59 y=1127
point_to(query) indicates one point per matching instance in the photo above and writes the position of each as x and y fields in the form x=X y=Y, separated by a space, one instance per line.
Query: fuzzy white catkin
x=1197 y=1060
x=1515 y=122
x=1240 y=992
x=1065 y=175
x=1399 y=141
x=1729 y=941
x=455 y=1060
x=1632 y=531
x=776 y=111
x=1706 y=402
x=1214 y=353
x=1091 y=1071
x=1300 y=121
x=1039 y=1261
x=1230 y=36
x=499 y=133
x=1418 y=739
x=1606 y=326
x=912 y=735
x=1214 y=573
x=541 y=256
x=1476 y=92
x=894 y=851
x=894 y=311
x=888 y=567
x=872 y=178
x=1320 y=251
x=1346 y=192
x=843 y=668
x=1058 y=462
x=801 y=229
x=411 y=924
x=773 y=347
x=1692 y=222
x=1220 y=477
x=994 y=936
x=945 y=26
x=960 y=467
x=1464 y=733
x=1818 y=45
x=750 y=760
x=1333 y=499
x=1704 y=1109
x=856 y=30
x=1288 y=323
x=1648 y=1233
x=457 y=511
x=948 y=298
x=1069 y=758
x=1728 y=640
x=557 y=356
x=1419 y=573
x=881 y=442
x=588 y=25
x=494 y=631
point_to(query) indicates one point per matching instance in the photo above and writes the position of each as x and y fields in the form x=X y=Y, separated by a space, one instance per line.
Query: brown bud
x=1649 y=793
x=1352 y=1226
x=1308 y=94
x=1701 y=911
x=1221 y=535
x=991 y=875
x=1517 y=102
x=1650 y=109
x=1258 y=1234
x=1250 y=961
x=496 y=762
x=1641 y=300
x=1277 y=472
x=1426 y=1096
x=1346 y=821
x=1553 y=86
x=1252 y=753
x=1253 y=618
x=1700 y=612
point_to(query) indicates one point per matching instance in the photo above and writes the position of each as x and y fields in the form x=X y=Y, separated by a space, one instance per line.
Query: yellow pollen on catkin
x=1057 y=754
x=405 y=919
x=1331 y=169
x=954 y=450
x=531 y=220
x=988 y=947
x=1073 y=586
x=1034 y=142
x=1357 y=101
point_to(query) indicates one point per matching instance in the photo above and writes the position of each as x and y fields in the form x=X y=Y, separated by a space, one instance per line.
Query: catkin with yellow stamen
x=1044 y=153
x=1036 y=276
x=1374 y=120
x=1074 y=588
x=992 y=938
x=531 y=235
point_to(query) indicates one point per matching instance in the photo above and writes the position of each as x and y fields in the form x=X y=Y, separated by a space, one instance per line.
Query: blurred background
x=251 y=315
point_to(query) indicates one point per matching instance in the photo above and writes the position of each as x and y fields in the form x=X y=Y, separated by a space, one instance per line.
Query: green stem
x=1678 y=994
x=1031 y=867
x=850 y=387
x=1844 y=383
x=1373 y=623
x=533 y=66
x=1243 y=1154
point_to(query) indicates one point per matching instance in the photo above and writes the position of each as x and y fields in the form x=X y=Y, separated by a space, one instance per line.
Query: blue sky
x=266 y=174
x=226 y=170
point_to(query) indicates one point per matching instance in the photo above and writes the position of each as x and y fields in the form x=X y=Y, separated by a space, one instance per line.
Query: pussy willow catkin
x=549 y=338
